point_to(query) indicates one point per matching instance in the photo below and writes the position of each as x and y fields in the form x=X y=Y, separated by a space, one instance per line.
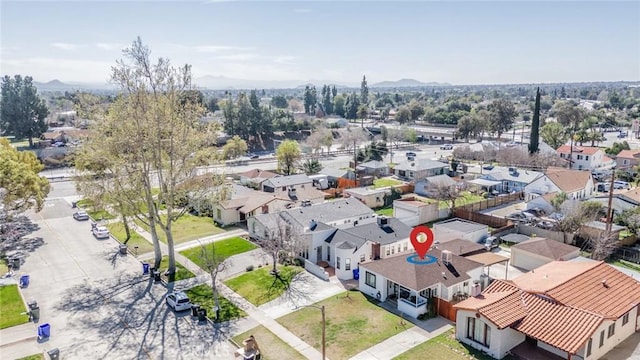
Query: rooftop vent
x=313 y=224
x=446 y=256
x=383 y=221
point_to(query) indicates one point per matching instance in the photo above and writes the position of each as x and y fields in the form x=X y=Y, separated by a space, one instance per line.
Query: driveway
x=97 y=302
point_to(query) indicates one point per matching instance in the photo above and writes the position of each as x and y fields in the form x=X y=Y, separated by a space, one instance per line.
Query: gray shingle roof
x=358 y=235
x=421 y=164
x=290 y=180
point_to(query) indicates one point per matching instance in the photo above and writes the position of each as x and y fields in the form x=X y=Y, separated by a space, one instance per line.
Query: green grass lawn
x=203 y=296
x=3 y=267
x=353 y=324
x=33 y=357
x=181 y=272
x=117 y=230
x=466 y=198
x=271 y=346
x=100 y=215
x=12 y=309
x=385 y=211
x=224 y=248
x=187 y=228
x=259 y=287
x=385 y=182
x=444 y=347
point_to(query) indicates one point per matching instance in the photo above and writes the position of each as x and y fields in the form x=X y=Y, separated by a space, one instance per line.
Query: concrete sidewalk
x=254 y=313
x=17 y=334
x=399 y=343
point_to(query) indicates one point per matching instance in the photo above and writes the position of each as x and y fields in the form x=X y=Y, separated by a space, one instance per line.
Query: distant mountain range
x=224 y=83
x=406 y=83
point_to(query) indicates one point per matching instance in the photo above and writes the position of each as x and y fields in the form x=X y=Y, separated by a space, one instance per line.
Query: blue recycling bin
x=44 y=331
x=356 y=274
x=145 y=268
x=24 y=281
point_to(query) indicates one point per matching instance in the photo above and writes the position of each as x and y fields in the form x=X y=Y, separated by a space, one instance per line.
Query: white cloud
x=217 y=48
x=302 y=11
x=66 y=46
x=252 y=71
x=284 y=59
x=110 y=46
x=237 y=57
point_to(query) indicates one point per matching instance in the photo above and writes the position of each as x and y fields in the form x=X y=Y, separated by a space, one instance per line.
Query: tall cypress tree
x=535 y=127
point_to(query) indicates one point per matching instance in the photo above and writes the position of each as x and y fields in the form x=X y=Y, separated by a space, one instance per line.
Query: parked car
x=547 y=225
x=556 y=216
x=520 y=217
x=619 y=184
x=81 y=215
x=488 y=167
x=535 y=211
x=491 y=242
x=411 y=154
x=178 y=301
x=253 y=156
x=603 y=187
x=623 y=134
x=100 y=232
x=446 y=147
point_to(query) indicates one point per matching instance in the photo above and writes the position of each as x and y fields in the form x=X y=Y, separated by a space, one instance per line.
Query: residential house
x=575 y=183
x=411 y=287
x=598 y=229
x=420 y=169
x=585 y=157
x=423 y=187
x=336 y=177
x=254 y=178
x=448 y=230
x=296 y=188
x=511 y=179
x=563 y=309
x=462 y=247
x=373 y=198
x=373 y=168
x=622 y=201
x=337 y=122
x=243 y=202
x=413 y=212
x=535 y=252
x=628 y=159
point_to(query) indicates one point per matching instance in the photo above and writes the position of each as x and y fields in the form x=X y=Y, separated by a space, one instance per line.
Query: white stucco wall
x=501 y=340
x=366 y=289
x=621 y=333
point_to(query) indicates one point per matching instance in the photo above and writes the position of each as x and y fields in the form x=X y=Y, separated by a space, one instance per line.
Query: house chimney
x=382 y=221
x=312 y=224
x=446 y=256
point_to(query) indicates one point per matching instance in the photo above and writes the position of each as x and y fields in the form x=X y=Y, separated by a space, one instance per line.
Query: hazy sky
x=474 y=42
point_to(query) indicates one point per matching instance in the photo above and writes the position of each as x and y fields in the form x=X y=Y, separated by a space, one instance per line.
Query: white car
x=81 y=215
x=100 y=232
x=446 y=147
x=178 y=301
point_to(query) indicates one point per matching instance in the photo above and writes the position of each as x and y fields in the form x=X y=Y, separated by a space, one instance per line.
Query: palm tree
x=311 y=166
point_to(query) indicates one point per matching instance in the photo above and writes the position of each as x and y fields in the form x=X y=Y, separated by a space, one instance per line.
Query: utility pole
x=610 y=205
x=355 y=162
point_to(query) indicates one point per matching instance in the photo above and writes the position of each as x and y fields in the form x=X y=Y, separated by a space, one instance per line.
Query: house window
x=478 y=331
x=370 y=279
x=589 y=347
x=586 y=157
x=579 y=157
x=337 y=262
x=625 y=162
x=562 y=155
x=388 y=250
x=406 y=246
x=625 y=319
x=393 y=249
x=601 y=338
x=611 y=330
x=284 y=188
x=347 y=264
x=328 y=253
x=399 y=245
x=410 y=174
x=362 y=258
x=218 y=214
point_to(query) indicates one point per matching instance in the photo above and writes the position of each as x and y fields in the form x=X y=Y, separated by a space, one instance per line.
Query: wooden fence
x=491 y=221
x=446 y=310
x=492 y=202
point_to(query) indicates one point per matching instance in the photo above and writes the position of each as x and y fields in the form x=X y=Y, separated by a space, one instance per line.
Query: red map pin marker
x=421 y=239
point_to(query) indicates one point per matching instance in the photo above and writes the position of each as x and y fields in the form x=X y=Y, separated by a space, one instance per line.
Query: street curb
x=19 y=341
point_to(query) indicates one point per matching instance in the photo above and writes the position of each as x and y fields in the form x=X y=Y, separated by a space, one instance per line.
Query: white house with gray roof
x=420 y=168
x=512 y=179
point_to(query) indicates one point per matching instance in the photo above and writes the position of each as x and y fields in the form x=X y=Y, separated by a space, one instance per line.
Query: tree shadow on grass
x=126 y=318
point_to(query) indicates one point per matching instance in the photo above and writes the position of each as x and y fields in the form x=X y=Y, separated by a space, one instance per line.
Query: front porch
x=528 y=350
x=407 y=301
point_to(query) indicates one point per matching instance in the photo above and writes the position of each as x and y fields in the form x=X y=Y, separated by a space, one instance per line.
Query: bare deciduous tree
x=447 y=193
x=214 y=264
x=603 y=245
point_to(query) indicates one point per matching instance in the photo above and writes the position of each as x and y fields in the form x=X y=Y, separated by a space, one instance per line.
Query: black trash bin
x=54 y=354
x=16 y=263
x=123 y=249
x=194 y=309
x=202 y=314
x=156 y=275
x=34 y=310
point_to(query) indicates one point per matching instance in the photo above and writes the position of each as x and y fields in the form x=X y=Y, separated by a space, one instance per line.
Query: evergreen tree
x=351 y=106
x=535 y=126
x=364 y=91
x=334 y=91
x=22 y=111
x=327 y=102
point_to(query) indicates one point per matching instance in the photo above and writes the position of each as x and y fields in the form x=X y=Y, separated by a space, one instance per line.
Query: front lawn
x=224 y=248
x=465 y=198
x=117 y=230
x=100 y=215
x=259 y=286
x=33 y=357
x=181 y=272
x=353 y=324
x=385 y=182
x=203 y=296
x=12 y=309
x=271 y=346
x=385 y=211
x=444 y=347
x=186 y=228
x=3 y=267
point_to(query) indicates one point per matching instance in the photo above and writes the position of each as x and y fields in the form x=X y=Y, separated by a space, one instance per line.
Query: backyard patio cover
x=487 y=258
x=485 y=182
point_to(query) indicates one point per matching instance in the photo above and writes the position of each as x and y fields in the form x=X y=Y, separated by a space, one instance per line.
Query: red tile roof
x=587 y=150
x=629 y=154
x=560 y=303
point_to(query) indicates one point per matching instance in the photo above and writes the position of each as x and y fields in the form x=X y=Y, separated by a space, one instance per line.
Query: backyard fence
x=492 y=202
x=489 y=220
